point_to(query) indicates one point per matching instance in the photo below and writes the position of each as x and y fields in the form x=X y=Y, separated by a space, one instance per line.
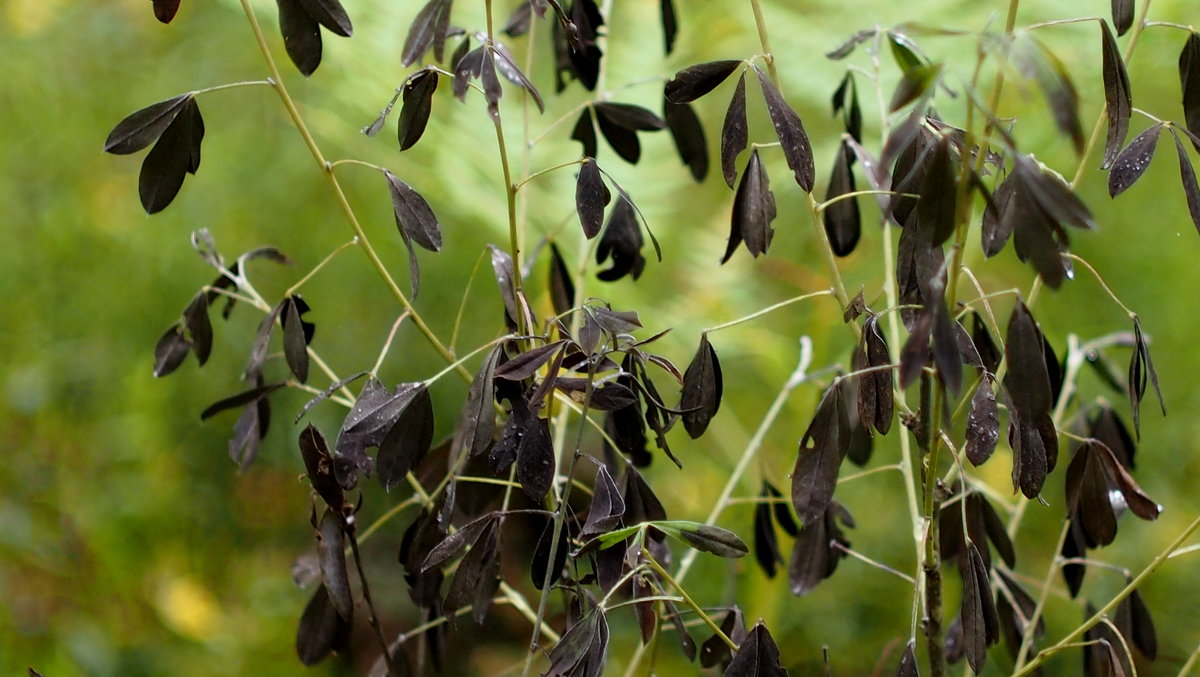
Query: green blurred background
x=131 y=545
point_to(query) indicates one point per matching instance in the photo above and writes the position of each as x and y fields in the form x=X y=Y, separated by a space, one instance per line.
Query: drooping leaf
x=915 y=82
x=562 y=289
x=331 y=15
x=331 y=549
x=142 y=127
x=693 y=82
x=243 y=398
x=819 y=546
x=407 y=442
x=845 y=101
x=702 y=389
x=329 y=390
x=608 y=506
x=1118 y=99
x=670 y=25
x=1189 y=82
x=1122 y=15
x=753 y=211
x=476 y=572
x=841 y=219
x=541 y=555
x=875 y=396
x=945 y=348
x=793 y=140
x=983 y=424
x=937 y=208
x=477 y=423
x=1138 y=502
x=820 y=457
x=591 y=195
x=622 y=242
x=734 y=132
x=571 y=655
x=688 y=134
x=195 y=319
x=176 y=154
x=513 y=73
x=1187 y=176
x=321 y=629
x=429 y=27
x=846 y=48
x=1141 y=370
x=1133 y=620
x=452 y=544
x=527 y=363
x=170 y=351
x=295 y=347
x=766 y=543
x=318 y=463
x=715 y=540
x=585 y=133
x=301 y=35
x=908 y=662
x=1032 y=433
x=620 y=122
x=1133 y=161
x=535 y=459
x=757 y=656
x=1036 y=62
x=981 y=625
x=164 y=10
x=714 y=651
x=418 y=103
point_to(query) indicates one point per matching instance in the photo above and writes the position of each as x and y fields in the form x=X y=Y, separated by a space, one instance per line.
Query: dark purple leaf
x=573 y=649
x=715 y=540
x=321 y=630
x=841 y=219
x=240 y=399
x=766 y=544
x=816 y=552
x=451 y=545
x=1133 y=619
x=301 y=35
x=622 y=242
x=908 y=662
x=527 y=363
x=562 y=289
x=843 y=50
x=295 y=346
x=140 y=128
x=476 y=571
x=702 y=389
x=585 y=133
x=845 y=101
x=1118 y=99
x=937 y=208
x=509 y=69
x=821 y=452
x=477 y=423
x=688 y=134
x=170 y=351
x=195 y=319
x=981 y=625
x=330 y=14
x=1132 y=162
x=670 y=25
x=1189 y=82
x=174 y=155
x=1122 y=15
x=407 y=442
x=535 y=459
x=164 y=10
x=714 y=651
x=734 y=132
x=693 y=82
x=915 y=82
x=541 y=555
x=1036 y=62
x=418 y=103
x=914 y=354
x=607 y=507
x=318 y=463
x=1139 y=503
x=757 y=656
x=329 y=390
x=1187 y=176
x=591 y=195
x=790 y=131
x=1141 y=370
x=753 y=211
x=983 y=424
x=331 y=549
x=429 y=27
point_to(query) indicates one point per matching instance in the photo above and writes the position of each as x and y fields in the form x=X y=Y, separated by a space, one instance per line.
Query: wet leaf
x=1138 y=502
x=1118 y=99
x=476 y=572
x=142 y=127
x=1132 y=162
x=753 y=211
x=324 y=394
x=321 y=630
x=1122 y=15
x=821 y=452
x=535 y=459
x=170 y=351
x=301 y=35
x=330 y=14
x=842 y=221
x=407 y=442
x=688 y=134
x=591 y=195
x=418 y=103
x=693 y=82
x=908 y=662
x=757 y=656
x=702 y=389
x=983 y=424
x=527 y=363
x=1187 y=176
x=429 y=28
x=1189 y=81
x=176 y=154
x=734 y=132
x=793 y=141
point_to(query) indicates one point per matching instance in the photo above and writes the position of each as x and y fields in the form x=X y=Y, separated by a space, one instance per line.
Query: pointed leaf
x=1132 y=162
x=688 y=133
x=527 y=363
x=321 y=629
x=790 y=131
x=715 y=540
x=164 y=11
x=693 y=82
x=429 y=27
x=170 y=351
x=734 y=132
x=1141 y=370
x=842 y=220
x=585 y=133
x=753 y=210
x=331 y=548
x=1189 y=81
x=175 y=154
x=757 y=656
x=607 y=504
x=295 y=346
x=702 y=389
x=983 y=424
x=240 y=399
x=301 y=35
x=1037 y=62
x=407 y=442
x=330 y=14
x=418 y=103
x=1122 y=15
x=820 y=457
x=670 y=25
x=591 y=195
x=477 y=423
x=140 y=128
x=1187 y=176
x=413 y=214
x=1118 y=100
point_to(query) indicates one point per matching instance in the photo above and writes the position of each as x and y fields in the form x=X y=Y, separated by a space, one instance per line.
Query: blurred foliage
x=130 y=545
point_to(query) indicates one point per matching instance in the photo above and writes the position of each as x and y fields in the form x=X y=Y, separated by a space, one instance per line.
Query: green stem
x=231 y=85
x=687 y=599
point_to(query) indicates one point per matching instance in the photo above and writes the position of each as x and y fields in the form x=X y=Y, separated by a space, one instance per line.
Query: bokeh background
x=131 y=545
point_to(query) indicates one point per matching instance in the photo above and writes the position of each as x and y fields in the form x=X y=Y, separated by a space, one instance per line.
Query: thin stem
x=562 y=165
x=361 y=163
x=298 y=121
x=764 y=39
x=382 y=519
x=1191 y=663
x=1112 y=603
x=387 y=344
x=1062 y=22
x=393 y=671
x=687 y=599
x=317 y=268
x=457 y=364
x=769 y=309
x=822 y=206
x=231 y=85
x=878 y=565
x=1169 y=24
x=1107 y=290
